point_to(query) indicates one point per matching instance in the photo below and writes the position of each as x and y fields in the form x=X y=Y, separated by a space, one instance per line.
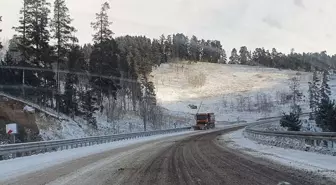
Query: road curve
x=195 y=159
x=200 y=160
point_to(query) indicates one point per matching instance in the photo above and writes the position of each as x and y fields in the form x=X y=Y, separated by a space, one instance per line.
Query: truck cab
x=204 y=121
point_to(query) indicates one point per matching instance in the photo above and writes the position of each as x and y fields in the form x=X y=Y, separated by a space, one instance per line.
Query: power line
x=68 y=72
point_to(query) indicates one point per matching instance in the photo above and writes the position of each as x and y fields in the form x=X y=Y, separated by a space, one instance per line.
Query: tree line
x=0 y=32
x=275 y=59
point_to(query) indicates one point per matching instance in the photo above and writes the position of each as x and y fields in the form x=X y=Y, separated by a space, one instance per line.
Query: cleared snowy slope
x=224 y=89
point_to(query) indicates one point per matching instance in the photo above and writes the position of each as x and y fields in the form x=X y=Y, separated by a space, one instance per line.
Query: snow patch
x=28 y=109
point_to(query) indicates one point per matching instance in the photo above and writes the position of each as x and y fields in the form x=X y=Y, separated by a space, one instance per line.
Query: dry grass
x=183 y=81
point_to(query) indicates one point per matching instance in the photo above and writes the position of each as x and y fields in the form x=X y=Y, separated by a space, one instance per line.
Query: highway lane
x=192 y=159
x=200 y=160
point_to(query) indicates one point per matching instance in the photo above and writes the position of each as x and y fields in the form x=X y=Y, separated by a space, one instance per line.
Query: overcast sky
x=306 y=25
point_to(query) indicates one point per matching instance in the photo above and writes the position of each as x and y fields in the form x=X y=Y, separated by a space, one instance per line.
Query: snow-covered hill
x=233 y=92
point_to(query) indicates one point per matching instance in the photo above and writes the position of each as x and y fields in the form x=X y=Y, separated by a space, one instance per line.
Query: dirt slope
x=12 y=111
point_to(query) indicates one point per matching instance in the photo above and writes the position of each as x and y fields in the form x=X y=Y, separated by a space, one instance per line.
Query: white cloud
x=254 y=23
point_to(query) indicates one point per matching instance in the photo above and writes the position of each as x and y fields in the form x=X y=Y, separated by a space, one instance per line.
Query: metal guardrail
x=279 y=117
x=323 y=142
x=324 y=135
x=11 y=151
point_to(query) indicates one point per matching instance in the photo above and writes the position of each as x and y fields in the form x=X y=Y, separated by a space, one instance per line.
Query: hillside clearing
x=224 y=88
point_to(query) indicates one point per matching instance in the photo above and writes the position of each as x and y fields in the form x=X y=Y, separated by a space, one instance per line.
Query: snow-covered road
x=191 y=158
x=152 y=160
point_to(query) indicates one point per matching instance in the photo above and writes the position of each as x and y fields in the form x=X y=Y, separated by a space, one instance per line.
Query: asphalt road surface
x=196 y=158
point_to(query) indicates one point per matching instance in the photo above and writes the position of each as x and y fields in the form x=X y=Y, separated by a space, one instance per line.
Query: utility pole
x=23 y=83
x=199 y=107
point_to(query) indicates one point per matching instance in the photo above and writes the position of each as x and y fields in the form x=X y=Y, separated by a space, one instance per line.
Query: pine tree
x=325 y=117
x=104 y=58
x=234 y=58
x=129 y=52
x=156 y=52
x=244 y=55
x=216 y=51
x=25 y=21
x=276 y=58
x=311 y=96
x=0 y=32
x=180 y=46
x=34 y=45
x=87 y=51
x=88 y=107
x=206 y=50
x=33 y=31
x=148 y=100
x=169 y=48
x=7 y=75
x=63 y=33
x=291 y=121
x=195 y=49
x=314 y=93
x=37 y=32
x=325 y=89
x=224 y=58
x=163 y=49
x=70 y=103
x=102 y=25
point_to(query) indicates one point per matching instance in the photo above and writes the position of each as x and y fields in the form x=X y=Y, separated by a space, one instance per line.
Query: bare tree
x=225 y=102
x=264 y=103
x=232 y=104
x=249 y=105
x=240 y=103
x=294 y=85
x=196 y=80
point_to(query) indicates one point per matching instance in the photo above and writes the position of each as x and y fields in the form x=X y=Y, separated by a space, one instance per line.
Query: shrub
x=291 y=121
x=196 y=80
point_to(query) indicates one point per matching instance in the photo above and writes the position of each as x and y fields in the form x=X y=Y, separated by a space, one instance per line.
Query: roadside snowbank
x=20 y=166
x=311 y=162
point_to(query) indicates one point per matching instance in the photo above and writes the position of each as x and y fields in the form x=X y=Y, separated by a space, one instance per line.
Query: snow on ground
x=224 y=87
x=20 y=166
x=28 y=109
x=312 y=162
x=55 y=129
x=174 y=84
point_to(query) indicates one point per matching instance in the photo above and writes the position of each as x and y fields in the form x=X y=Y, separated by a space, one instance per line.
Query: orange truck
x=204 y=121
